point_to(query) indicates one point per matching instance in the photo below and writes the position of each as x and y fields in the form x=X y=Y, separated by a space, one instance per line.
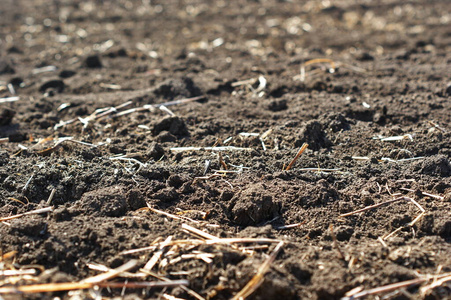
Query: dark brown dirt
x=393 y=79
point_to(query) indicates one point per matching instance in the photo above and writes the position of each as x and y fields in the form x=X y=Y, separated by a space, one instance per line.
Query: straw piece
x=223 y=148
x=9 y=99
x=198 y=232
x=386 y=288
x=258 y=279
x=157 y=255
x=371 y=207
x=18 y=272
x=103 y=268
x=183 y=287
x=301 y=150
x=111 y=273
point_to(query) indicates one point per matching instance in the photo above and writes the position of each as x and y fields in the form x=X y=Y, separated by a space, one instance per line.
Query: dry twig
x=33 y=212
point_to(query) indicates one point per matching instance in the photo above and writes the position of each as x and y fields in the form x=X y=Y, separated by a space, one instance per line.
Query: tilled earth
x=374 y=110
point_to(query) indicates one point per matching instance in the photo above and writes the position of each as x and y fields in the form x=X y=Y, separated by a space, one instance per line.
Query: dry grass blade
x=258 y=278
x=301 y=150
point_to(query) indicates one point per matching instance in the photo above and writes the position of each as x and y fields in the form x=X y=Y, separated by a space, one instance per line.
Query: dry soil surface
x=94 y=135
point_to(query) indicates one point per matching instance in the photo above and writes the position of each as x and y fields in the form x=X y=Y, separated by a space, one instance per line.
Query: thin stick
x=222 y=162
x=33 y=212
x=257 y=280
x=24 y=189
x=151 y=284
x=52 y=194
x=372 y=206
x=301 y=150
x=291 y=226
x=68 y=286
x=216 y=241
x=424 y=194
x=319 y=170
x=435 y=284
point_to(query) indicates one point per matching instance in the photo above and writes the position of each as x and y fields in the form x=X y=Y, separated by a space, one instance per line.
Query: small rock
x=278 y=105
x=175 y=181
x=67 y=73
x=444 y=228
x=55 y=85
x=17 y=137
x=172 y=88
x=448 y=90
x=6 y=116
x=364 y=56
x=166 y=137
x=108 y=201
x=61 y=214
x=344 y=232
x=5 y=67
x=135 y=199
x=155 y=151
x=313 y=134
x=93 y=62
x=253 y=206
x=17 y=82
x=32 y=227
x=437 y=165
x=318 y=85
x=174 y=125
x=14 y=49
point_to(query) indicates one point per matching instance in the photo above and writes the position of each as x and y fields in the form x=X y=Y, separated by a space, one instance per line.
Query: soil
x=390 y=77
